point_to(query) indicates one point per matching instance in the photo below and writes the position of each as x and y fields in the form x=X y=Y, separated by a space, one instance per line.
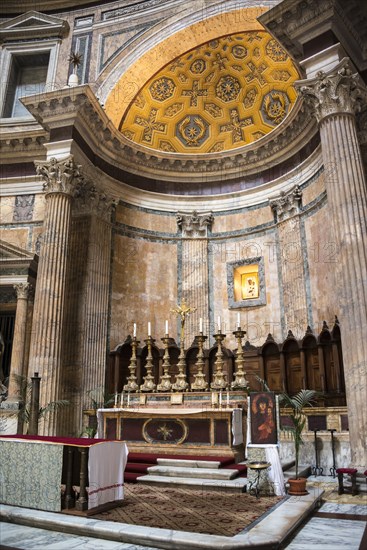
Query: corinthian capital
x=91 y=200
x=287 y=205
x=340 y=91
x=194 y=225
x=59 y=176
x=23 y=290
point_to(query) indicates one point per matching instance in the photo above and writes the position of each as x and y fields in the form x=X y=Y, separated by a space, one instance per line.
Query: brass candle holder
x=180 y=382
x=239 y=381
x=200 y=383
x=132 y=384
x=165 y=384
x=149 y=384
x=219 y=378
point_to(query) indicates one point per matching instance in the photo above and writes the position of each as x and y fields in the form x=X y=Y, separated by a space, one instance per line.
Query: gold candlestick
x=219 y=378
x=165 y=384
x=199 y=378
x=239 y=381
x=149 y=384
x=132 y=384
x=180 y=382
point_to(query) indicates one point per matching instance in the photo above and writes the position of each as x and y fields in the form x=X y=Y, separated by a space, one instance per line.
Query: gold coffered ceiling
x=222 y=95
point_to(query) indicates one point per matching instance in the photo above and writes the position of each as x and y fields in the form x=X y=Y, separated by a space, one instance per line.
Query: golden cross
x=183 y=310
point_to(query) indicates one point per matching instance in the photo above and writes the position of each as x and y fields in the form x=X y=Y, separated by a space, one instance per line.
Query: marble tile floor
x=336 y=525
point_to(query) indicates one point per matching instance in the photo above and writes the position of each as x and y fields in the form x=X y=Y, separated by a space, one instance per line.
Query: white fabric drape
x=275 y=472
x=237 y=431
x=106 y=468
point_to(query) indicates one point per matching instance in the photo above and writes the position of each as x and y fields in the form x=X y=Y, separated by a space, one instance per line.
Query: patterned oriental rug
x=210 y=512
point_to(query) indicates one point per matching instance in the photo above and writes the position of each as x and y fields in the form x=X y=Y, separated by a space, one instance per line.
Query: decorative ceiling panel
x=220 y=96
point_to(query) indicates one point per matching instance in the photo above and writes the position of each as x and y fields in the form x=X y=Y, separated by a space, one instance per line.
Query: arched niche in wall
x=311 y=358
x=292 y=360
x=271 y=360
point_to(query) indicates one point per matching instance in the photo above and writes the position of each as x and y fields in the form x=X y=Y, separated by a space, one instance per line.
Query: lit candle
x=122 y=399
x=200 y=325
x=219 y=324
x=220 y=398
x=116 y=399
x=128 y=399
x=149 y=329
x=134 y=331
x=166 y=327
x=238 y=321
x=213 y=398
x=227 y=398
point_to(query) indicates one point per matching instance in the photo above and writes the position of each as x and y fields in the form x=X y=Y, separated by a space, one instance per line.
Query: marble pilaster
x=287 y=209
x=334 y=97
x=49 y=305
x=23 y=291
x=194 y=270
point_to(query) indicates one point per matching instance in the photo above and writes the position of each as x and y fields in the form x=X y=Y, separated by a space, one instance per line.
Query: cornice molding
x=33 y=24
x=80 y=108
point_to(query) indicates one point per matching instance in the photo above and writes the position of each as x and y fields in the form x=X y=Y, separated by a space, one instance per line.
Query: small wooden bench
x=352 y=473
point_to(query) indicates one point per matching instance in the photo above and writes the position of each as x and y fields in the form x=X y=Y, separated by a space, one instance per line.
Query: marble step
x=303 y=471
x=237 y=485
x=187 y=463
x=185 y=472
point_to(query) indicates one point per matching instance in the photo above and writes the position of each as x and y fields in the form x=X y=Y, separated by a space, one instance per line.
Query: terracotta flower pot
x=297 y=486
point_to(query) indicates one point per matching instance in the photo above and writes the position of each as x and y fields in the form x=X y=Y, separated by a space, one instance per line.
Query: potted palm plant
x=297 y=403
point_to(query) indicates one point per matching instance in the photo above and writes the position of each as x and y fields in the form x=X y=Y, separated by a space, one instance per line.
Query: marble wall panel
x=144 y=288
x=141 y=219
x=322 y=261
x=243 y=220
x=314 y=189
x=17 y=236
x=39 y=207
x=257 y=321
x=7 y=209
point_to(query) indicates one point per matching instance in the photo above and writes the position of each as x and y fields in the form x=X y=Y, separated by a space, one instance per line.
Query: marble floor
x=336 y=525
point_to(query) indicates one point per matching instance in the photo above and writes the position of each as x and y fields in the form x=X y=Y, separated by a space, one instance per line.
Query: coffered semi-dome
x=222 y=95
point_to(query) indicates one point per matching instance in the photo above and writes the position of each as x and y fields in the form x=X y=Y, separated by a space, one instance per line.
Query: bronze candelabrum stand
x=165 y=384
x=181 y=383
x=149 y=384
x=199 y=378
x=132 y=384
x=239 y=375
x=219 y=377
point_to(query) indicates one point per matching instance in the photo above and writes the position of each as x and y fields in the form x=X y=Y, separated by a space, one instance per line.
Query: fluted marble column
x=23 y=291
x=60 y=177
x=334 y=96
x=293 y=279
x=194 y=270
x=90 y=264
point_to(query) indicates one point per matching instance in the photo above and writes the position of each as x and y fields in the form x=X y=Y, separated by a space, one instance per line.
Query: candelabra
x=165 y=384
x=149 y=378
x=199 y=378
x=239 y=375
x=132 y=384
x=219 y=378
x=316 y=470
x=181 y=383
x=333 y=468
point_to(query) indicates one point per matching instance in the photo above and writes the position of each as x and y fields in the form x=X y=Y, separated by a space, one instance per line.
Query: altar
x=178 y=424
x=42 y=472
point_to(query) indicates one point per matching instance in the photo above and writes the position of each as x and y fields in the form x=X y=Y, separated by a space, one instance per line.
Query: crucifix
x=183 y=310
